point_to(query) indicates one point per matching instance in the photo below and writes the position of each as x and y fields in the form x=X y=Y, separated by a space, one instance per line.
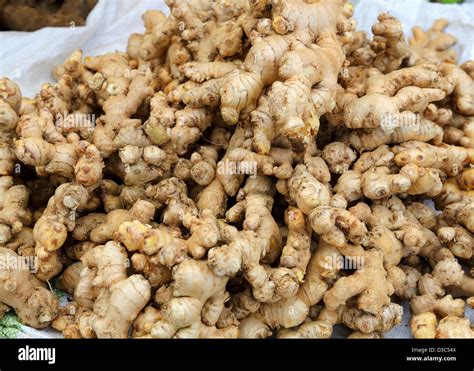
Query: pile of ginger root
x=246 y=168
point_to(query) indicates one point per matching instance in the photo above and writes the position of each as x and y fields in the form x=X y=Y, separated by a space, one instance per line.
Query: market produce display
x=244 y=169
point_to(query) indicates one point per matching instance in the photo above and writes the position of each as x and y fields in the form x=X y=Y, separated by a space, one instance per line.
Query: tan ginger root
x=115 y=196
x=232 y=180
x=72 y=91
x=378 y=183
x=69 y=279
x=193 y=289
x=463 y=85
x=173 y=193
x=204 y=163
x=319 y=329
x=118 y=110
x=65 y=319
x=176 y=57
x=278 y=162
x=204 y=95
x=388 y=44
x=367 y=323
x=42 y=145
x=247 y=162
x=253 y=208
x=107 y=75
x=175 y=130
x=162 y=117
x=205 y=232
x=369 y=284
x=156 y=40
x=464 y=288
x=317 y=167
x=423 y=325
x=446 y=306
x=207 y=40
x=293 y=17
x=245 y=251
x=10 y=102
x=155 y=251
x=432 y=45
x=14 y=214
x=118 y=299
x=393 y=100
x=421 y=130
x=202 y=71
x=465 y=179
x=339 y=157
x=190 y=123
x=137 y=165
x=306 y=190
x=293 y=106
x=462 y=212
x=23 y=243
x=51 y=230
x=470 y=301
x=453 y=328
x=423 y=213
x=468 y=67
x=150 y=267
x=372 y=176
x=171 y=248
x=391 y=216
x=450 y=159
x=213 y=197
x=296 y=252
x=88 y=170
x=452 y=194
x=337 y=226
x=416 y=239
x=100 y=228
x=60 y=215
x=35 y=305
x=459 y=240
x=404 y=280
x=145 y=321
x=291 y=312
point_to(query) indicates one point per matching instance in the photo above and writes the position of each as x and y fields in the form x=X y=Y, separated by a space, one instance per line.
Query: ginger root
x=245 y=169
x=117 y=298
x=34 y=304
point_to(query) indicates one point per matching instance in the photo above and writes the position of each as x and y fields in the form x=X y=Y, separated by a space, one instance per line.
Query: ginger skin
x=34 y=304
x=291 y=312
x=14 y=214
x=142 y=211
x=361 y=284
x=10 y=103
x=194 y=285
x=118 y=299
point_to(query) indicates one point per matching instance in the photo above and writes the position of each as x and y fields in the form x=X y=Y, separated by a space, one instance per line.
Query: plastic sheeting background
x=28 y=58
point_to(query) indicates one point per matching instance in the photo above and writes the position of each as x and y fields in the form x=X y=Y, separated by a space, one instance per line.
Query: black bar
x=380 y=354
